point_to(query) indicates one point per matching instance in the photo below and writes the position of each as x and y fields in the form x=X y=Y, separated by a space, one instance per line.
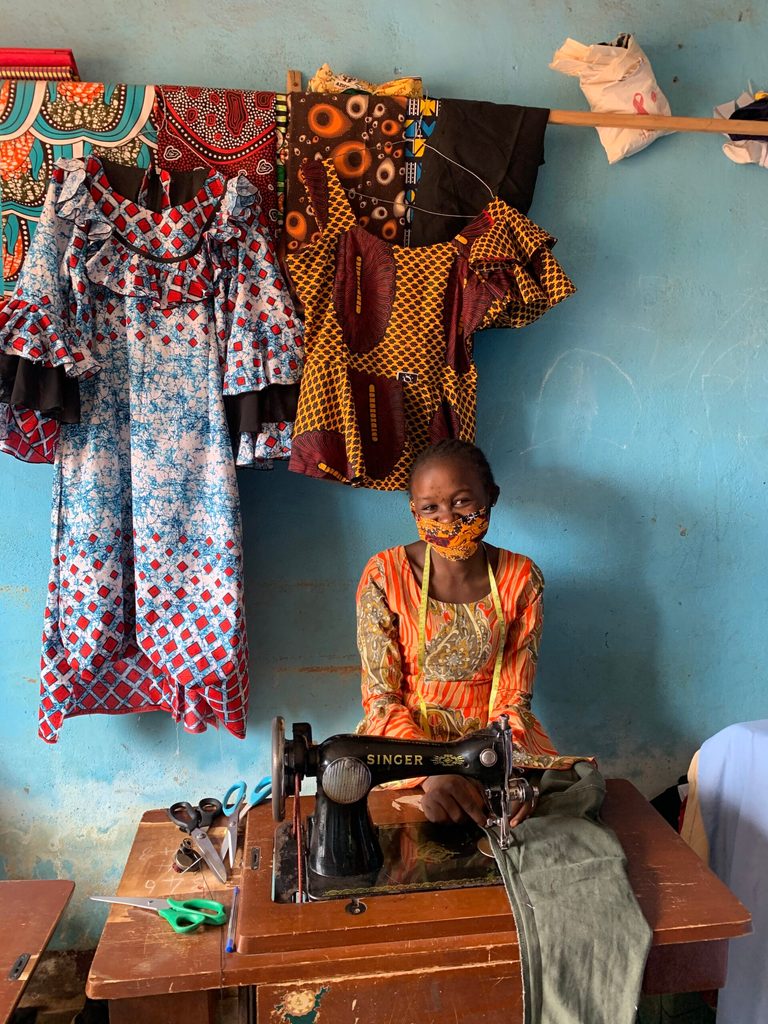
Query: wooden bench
x=29 y=911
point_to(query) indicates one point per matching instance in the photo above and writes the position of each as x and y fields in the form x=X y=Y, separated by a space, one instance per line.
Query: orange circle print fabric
x=363 y=136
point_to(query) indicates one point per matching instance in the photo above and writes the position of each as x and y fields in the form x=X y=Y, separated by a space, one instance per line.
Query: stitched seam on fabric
x=527 y=936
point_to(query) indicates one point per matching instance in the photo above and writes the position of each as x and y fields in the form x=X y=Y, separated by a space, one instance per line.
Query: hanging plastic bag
x=615 y=77
x=740 y=149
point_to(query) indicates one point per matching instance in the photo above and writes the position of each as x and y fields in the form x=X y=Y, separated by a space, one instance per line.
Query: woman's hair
x=452 y=448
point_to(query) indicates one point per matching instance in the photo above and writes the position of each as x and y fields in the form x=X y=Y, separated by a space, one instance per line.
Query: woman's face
x=446 y=488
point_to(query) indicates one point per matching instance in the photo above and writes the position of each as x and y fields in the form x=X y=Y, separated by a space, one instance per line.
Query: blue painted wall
x=628 y=428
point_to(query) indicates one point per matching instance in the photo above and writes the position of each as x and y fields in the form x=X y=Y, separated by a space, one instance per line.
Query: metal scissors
x=182 y=915
x=231 y=804
x=196 y=820
x=260 y=793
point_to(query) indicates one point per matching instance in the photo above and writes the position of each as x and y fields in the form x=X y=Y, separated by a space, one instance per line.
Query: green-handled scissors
x=182 y=915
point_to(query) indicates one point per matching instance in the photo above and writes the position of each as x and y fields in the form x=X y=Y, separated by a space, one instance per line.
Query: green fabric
x=583 y=938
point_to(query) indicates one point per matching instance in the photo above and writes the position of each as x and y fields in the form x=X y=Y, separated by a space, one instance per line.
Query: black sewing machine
x=341 y=853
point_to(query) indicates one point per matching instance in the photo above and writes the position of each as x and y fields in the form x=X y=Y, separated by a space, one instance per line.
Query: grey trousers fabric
x=583 y=938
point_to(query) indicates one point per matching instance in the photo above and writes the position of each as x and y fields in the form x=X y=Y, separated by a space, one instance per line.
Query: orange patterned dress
x=389 y=331
x=462 y=641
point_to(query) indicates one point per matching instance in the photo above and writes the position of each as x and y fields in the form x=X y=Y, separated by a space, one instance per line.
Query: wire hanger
x=456 y=163
x=412 y=206
x=423 y=209
x=420 y=138
x=294 y=85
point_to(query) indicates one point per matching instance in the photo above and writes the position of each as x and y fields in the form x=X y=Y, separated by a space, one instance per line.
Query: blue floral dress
x=157 y=315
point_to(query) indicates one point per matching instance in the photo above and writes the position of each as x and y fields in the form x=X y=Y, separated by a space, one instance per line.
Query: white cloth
x=744 y=151
x=615 y=79
x=732 y=785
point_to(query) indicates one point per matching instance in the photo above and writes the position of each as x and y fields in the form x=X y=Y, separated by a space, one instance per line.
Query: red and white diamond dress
x=157 y=315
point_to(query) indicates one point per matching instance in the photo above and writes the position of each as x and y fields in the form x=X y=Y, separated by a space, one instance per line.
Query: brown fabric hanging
x=363 y=135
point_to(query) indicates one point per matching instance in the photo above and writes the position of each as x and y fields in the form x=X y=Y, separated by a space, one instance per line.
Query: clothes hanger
x=413 y=206
x=423 y=209
x=456 y=163
x=293 y=84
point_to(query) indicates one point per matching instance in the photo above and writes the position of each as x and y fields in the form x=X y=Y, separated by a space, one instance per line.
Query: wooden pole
x=646 y=122
x=658 y=122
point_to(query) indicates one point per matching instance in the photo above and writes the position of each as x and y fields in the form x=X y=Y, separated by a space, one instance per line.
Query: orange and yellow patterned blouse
x=389 y=330
x=461 y=645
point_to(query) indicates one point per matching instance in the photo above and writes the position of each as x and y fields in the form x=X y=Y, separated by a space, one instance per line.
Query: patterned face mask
x=455 y=541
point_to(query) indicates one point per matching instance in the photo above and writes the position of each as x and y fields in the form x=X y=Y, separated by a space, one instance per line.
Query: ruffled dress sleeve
x=261 y=341
x=45 y=343
x=513 y=277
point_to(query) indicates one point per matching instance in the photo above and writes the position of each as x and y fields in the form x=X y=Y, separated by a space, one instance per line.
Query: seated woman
x=448 y=629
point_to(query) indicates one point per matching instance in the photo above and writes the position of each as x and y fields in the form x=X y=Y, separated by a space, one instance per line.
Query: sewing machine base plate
x=418 y=857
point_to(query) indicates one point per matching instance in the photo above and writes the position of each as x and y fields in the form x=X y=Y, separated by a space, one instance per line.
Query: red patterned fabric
x=232 y=130
x=145 y=606
x=26 y=435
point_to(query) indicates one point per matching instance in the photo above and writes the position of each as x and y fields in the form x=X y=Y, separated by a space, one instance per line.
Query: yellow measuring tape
x=422 y=651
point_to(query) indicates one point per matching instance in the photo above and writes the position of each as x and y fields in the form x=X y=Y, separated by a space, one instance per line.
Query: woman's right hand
x=453 y=798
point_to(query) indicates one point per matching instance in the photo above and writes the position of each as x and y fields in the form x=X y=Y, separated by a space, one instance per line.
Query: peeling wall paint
x=628 y=428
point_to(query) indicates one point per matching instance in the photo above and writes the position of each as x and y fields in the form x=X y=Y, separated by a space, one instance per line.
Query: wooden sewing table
x=426 y=957
x=29 y=911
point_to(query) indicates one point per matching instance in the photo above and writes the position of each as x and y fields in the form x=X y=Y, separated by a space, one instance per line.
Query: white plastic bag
x=615 y=77
x=743 y=151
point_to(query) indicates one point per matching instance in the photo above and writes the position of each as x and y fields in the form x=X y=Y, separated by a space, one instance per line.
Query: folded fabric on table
x=583 y=938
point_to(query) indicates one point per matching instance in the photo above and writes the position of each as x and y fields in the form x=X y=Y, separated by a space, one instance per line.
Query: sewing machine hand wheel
x=278 y=768
x=291 y=760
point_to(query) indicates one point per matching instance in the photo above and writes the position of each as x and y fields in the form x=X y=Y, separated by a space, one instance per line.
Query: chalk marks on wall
x=585 y=397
